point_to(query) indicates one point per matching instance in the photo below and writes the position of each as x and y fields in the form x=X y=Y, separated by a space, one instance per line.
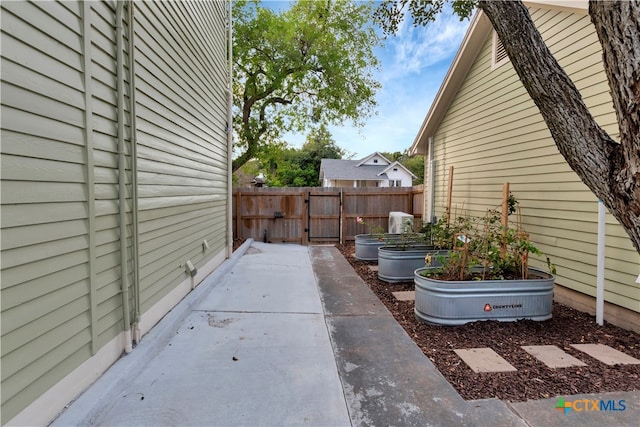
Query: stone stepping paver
x=484 y=360
x=552 y=356
x=606 y=354
x=373 y=267
x=405 y=295
x=487 y=360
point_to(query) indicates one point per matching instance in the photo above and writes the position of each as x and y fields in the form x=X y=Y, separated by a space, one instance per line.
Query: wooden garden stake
x=449 y=194
x=505 y=218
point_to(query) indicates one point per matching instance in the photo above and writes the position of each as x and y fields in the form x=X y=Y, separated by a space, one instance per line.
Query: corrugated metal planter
x=397 y=264
x=459 y=302
x=367 y=245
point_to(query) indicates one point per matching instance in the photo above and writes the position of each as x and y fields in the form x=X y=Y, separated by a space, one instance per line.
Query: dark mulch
x=533 y=380
x=237 y=242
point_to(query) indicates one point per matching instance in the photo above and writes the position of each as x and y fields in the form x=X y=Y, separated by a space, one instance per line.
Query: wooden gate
x=324 y=216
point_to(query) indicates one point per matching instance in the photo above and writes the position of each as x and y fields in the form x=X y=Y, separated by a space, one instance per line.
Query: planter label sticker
x=488 y=307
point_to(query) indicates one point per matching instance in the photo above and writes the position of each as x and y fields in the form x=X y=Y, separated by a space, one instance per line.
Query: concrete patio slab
x=606 y=354
x=552 y=356
x=484 y=360
x=238 y=369
x=405 y=295
x=264 y=284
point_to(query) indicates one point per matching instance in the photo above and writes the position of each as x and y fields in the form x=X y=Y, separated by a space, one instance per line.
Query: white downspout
x=431 y=165
x=122 y=177
x=600 y=265
x=230 y=136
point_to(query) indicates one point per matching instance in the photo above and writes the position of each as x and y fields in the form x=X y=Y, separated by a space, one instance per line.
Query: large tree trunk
x=610 y=169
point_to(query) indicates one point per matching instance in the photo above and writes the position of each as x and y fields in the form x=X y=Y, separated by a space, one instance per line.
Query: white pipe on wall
x=600 y=265
x=431 y=169
x=230 y=136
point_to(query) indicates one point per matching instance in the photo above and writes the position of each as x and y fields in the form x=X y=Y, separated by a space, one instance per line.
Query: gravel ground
x=532 y=380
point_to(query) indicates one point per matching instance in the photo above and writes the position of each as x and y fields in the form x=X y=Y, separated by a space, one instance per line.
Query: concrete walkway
x=285 y=335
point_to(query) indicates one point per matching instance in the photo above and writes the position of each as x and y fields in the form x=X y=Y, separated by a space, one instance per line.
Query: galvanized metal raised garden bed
x=459 y=302
x=397 y=263
x=367 y=245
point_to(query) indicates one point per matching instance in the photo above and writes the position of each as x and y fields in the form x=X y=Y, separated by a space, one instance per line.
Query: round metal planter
x=458 y=302
x=397 y=263
x=367 y=245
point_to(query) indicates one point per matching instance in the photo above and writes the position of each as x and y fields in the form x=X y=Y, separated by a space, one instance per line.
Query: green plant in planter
x=409 y=238
x=484 y=249
x=441 y=235
x=503 y=252
x=374 y=230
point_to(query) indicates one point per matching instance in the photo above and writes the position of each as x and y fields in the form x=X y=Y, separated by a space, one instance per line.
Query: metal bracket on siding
x=190 y=269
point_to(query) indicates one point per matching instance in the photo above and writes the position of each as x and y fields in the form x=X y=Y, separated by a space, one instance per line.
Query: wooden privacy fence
x=319 y=215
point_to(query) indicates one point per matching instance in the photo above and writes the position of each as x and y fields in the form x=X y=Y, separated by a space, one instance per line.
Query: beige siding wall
x=493 y=133
x=46 y=325
x=61 y=292
x=182 y=152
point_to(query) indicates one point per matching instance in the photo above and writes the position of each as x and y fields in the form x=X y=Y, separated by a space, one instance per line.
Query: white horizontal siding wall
x=493 y=133
x=61 y=291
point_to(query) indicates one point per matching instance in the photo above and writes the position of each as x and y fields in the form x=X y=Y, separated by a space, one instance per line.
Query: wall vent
x=499 y=56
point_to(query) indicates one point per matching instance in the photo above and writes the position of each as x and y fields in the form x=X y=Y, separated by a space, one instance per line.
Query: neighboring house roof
x=370 y=156
x=401 y=166
x=357 y=169
x=475 y=37
x=350 y=169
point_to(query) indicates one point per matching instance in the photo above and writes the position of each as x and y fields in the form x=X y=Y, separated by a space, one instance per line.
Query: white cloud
x=415 y=48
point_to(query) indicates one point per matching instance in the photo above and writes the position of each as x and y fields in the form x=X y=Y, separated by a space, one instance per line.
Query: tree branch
x=608 y=168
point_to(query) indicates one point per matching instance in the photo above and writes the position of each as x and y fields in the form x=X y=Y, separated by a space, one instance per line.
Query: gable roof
x=371 y=156
x=397 y=164
x=477 y=33
x=357 y=169
x=350 y=169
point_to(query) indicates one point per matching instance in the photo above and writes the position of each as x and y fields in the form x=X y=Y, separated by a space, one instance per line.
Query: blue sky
x=414 y=63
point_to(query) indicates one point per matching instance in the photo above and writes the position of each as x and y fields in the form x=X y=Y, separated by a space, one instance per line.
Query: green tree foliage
x=414 y=163
x=610 y=168
x=290 y=167
x=309 y=65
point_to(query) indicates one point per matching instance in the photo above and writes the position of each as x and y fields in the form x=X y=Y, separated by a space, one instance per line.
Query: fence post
x=410 y=204
x=341 y=219
x=239 y=215
x=304 y=221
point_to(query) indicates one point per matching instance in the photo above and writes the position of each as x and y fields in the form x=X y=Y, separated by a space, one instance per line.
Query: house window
x=395 y=183
x=395 y=169
x=375 y=160
x=499 y=55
